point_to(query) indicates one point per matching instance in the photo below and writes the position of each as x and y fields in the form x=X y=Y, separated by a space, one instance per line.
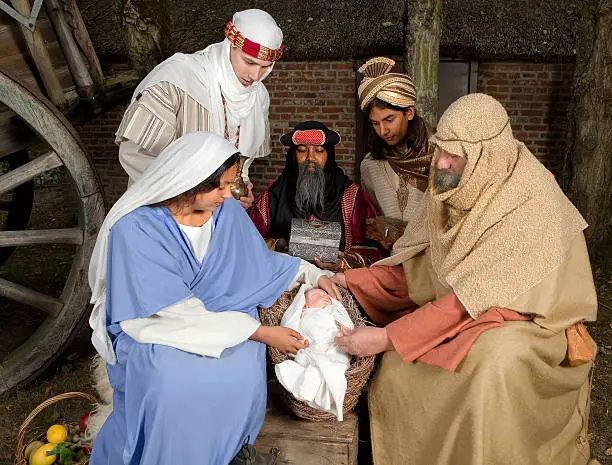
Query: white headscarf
x=207 y=73
x=182 y=165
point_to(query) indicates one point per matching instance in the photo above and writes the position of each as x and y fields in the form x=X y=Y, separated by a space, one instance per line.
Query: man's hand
x=287 y=340
x=340 y=280
x=335 y=267
x=385 y=230
x=363 y=341
x=247 y=202
x=328 y=286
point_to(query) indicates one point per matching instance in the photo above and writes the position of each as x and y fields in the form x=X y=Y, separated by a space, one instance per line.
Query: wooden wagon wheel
x=19 y=207
x=63 y=313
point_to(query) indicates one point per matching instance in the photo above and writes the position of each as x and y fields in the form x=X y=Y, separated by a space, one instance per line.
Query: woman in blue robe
x=177 y=275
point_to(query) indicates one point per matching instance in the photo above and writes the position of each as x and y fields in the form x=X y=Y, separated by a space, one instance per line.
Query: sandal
x=247 y=455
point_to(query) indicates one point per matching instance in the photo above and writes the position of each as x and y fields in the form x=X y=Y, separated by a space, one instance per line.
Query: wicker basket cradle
x=356 y=376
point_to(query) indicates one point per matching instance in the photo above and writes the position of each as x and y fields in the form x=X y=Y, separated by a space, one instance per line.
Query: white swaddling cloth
x=316 y=374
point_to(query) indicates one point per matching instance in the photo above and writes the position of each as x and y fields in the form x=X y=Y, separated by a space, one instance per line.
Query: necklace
x=403 y=192
x=226 y=132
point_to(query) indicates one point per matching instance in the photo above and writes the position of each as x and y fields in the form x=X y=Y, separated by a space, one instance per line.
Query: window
x=456 y=78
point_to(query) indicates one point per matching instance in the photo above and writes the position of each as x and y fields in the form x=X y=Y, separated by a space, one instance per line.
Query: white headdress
x=208 y=74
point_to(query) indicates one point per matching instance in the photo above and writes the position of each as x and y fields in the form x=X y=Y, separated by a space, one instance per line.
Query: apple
x=83 y=422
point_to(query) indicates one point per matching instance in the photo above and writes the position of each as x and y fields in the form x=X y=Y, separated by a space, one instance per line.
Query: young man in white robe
x=218 y=89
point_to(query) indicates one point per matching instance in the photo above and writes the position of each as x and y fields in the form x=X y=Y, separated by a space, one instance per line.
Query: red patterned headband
x=249 y=47
x=308 y=137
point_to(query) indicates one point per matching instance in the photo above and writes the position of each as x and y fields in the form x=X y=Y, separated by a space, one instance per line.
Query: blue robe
x=170 y=406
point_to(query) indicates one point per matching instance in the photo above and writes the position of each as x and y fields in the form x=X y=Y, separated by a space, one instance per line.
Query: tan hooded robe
x=505 y=237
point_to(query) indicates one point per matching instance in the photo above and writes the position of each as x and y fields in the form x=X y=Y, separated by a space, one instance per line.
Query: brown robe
x=513 y=399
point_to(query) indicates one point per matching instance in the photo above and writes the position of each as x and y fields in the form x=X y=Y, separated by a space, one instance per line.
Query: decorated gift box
x=315 y=238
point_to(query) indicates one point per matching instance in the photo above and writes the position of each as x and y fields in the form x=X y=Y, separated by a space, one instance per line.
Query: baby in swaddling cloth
x=316 y=374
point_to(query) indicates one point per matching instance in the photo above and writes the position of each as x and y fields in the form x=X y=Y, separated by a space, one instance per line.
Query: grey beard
x=445 y=180
x=310 y=190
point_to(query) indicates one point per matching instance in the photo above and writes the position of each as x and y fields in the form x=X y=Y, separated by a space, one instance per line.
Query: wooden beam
x=75 y=61
x=75 y=21
x=40 y=56
x=42 y=236
x=422 y=31
x=146 y=33
x=30 y=297
x=29 y=171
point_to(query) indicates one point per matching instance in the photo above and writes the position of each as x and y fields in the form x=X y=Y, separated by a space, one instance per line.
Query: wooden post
x=76 y=64
x=587 y=171
x=73 y=17
x=146 y=33
x=40 y=56
x=422 y=30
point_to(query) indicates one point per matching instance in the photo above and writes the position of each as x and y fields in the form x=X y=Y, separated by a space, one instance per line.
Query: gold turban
x=394 y=88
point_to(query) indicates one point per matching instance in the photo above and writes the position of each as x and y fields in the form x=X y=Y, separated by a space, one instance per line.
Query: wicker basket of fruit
x=63 y=444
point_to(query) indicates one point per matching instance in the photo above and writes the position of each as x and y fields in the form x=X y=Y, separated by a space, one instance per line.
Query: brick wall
x=98 y=135
x=300 y=91
x=536 y=97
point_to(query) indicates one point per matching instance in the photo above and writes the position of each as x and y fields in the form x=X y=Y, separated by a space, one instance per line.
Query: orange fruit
x=40 y=457
x=57 y=434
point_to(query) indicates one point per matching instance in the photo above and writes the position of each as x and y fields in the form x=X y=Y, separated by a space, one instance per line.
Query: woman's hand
x=287 y=340
x=247 y=202
x=282 y=245
x=340 y=280
x=363 y=341
x=328 y=286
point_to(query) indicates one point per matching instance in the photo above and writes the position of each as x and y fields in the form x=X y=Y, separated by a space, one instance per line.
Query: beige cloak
x=506 y=236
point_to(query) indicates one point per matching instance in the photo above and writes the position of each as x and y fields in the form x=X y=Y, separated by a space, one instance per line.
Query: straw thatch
x=322 y=30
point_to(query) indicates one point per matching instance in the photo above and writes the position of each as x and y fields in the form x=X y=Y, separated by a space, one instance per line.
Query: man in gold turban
x=480 y=310
x=394 y=172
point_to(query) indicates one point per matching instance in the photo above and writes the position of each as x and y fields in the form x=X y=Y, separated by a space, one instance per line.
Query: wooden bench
x=303 y=442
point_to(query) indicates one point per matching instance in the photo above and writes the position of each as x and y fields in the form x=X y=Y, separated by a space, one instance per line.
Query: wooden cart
x=40 y=308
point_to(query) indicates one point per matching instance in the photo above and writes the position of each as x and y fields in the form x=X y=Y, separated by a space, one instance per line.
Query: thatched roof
x=338 y=29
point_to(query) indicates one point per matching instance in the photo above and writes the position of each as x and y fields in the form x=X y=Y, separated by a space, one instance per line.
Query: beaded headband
x=249 y=47
x=308 y=137
x=317 y=135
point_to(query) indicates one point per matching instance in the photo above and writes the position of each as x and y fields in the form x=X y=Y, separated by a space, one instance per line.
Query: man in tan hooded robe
x=475 y=308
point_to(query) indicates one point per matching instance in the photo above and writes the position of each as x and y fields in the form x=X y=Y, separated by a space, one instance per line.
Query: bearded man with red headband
x=218 y=89
x=312 y=185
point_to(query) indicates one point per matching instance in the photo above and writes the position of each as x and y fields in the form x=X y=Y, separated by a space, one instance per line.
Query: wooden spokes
x=67 y=304
x=30 y=297
x=22 y=294
x=41 y=236
x=29 y=171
